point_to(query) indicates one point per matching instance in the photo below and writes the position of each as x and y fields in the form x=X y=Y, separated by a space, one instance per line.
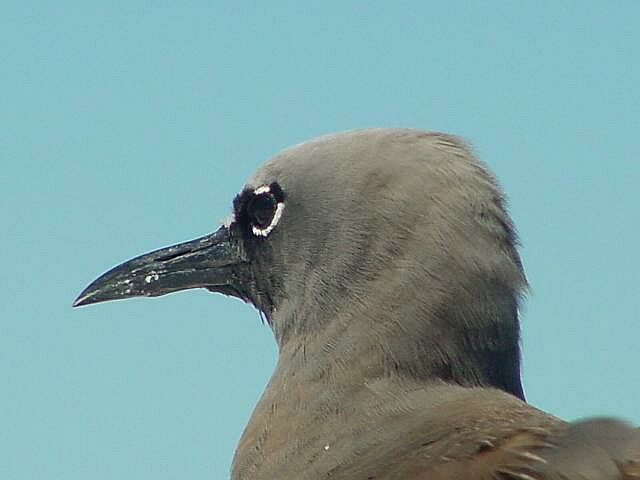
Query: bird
x=386 y=264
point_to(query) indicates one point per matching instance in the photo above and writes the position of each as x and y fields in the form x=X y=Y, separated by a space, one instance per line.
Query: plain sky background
x=126 y=126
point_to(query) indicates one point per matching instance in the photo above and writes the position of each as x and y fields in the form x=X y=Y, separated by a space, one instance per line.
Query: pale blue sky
x=127 y=126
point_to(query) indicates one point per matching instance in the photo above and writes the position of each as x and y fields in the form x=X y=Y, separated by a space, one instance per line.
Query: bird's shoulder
x=477 y=433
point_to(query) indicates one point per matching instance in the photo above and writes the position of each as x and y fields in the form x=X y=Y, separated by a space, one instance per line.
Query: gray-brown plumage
x=386 y=265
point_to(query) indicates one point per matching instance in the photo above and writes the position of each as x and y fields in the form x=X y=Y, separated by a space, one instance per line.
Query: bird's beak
x=213 y=262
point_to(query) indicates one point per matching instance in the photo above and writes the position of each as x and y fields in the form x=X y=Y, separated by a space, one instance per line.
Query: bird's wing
x=598 y=449
x=489 y=435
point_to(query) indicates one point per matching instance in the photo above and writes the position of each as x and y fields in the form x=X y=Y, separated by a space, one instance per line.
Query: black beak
x=214 y=262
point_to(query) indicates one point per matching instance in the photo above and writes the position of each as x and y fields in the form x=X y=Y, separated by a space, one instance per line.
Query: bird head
x=368 y=237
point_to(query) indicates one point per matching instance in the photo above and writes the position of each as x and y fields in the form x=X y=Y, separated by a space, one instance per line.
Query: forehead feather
x=373 y=159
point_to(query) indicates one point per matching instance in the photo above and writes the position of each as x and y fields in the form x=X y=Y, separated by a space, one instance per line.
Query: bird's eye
x=264 y=209
x=261 y=209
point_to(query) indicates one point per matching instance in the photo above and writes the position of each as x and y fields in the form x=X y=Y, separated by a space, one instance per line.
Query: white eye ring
x=264 y=232
x=262 y=189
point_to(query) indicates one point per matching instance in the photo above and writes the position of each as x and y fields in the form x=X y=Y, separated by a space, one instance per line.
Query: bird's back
x=486 y=434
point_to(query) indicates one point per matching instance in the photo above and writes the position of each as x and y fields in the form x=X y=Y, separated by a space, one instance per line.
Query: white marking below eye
x=264 y=232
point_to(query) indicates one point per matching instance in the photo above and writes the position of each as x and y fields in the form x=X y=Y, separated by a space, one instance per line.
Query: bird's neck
x=467 y=337
x=323 y=377
x=299 y=421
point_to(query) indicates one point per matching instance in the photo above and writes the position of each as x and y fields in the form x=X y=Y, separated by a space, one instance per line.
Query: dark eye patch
x=261 y=209
x=257 y=210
